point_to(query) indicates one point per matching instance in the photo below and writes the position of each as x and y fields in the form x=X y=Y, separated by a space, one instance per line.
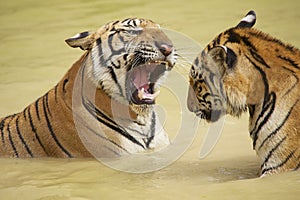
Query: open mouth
x=142 y=81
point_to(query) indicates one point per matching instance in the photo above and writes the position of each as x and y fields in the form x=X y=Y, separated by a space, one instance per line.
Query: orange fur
x=259 y=73
x=83 y=115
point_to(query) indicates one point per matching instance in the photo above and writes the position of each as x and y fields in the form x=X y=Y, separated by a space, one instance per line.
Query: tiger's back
x=45 y=127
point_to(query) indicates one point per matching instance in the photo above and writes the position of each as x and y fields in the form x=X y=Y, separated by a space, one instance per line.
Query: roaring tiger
x=123 y=63
x=245 y=69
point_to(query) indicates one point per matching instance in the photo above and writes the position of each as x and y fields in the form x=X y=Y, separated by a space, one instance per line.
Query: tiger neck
x=98 y=98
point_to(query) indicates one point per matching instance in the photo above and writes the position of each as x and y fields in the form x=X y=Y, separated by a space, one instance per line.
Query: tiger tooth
x=155 y=94
x=141 y=93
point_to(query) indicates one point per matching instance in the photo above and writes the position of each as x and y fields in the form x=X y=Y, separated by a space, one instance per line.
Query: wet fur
x=264 y=80
x=46 y=128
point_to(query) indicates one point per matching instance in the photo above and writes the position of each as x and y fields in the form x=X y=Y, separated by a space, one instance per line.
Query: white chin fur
x=236 y=102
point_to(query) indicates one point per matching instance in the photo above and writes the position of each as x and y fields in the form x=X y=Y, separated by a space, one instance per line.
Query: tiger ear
x=248 y=21
x=82 y=40
x=223 y=55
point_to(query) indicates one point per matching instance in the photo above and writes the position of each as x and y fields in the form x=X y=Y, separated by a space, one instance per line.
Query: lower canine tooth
x=155 y=94
x=141 y=93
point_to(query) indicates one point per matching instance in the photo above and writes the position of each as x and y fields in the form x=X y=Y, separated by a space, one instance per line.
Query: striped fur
x=244 y=69
x=92 y=111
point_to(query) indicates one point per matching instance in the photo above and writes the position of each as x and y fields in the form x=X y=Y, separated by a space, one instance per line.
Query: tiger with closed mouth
x=245 y=69
x=104 y=104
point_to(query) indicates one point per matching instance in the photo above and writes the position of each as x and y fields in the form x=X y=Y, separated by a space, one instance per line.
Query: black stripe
x=152 y=130
x=113 y=151
x=34 y=131
x=116 y=66
x=110 y=43
x=121 y=38
x=248 y=44
x=111 y=124
x=114 y=77
x=1 y=130
x=134 y=23
x=298 y=166
x=219 y=38
x=100 y=52
x=290 y=61
x=209 y=47
x=125 y=57
x=52 y=132
x=97 y=114
x=64 y=85
x=269 y=109
x=104 y=138
x=280 y=126
x=37 y=108
x=125 y=20
x=266 y=37
x=279 y=165
x=115 y=23
x=11 y=140
x=2 y=125
x=55 y=93
x=83 y=34
x=266 y=94
x=213 y=83
x=251 y=109
x=196 y=63
x=216 y=41
x=207 y=84
x=233 y=37
x=137 y=131
x=272 y=151
x=295 y=76
x=24 y=113
x=258 y=58
x=88 y=104
x=21 y=137
x=47 y=103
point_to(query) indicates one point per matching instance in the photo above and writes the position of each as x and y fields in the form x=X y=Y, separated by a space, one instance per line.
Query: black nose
x=165 y=49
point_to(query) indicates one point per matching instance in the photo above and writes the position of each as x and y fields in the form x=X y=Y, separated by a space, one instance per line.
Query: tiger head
x=128 y=59
x=221 y=77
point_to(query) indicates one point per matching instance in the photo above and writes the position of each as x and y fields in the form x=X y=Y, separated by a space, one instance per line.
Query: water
x=33 y=57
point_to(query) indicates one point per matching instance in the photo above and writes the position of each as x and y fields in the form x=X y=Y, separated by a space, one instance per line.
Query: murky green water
x=33 y=57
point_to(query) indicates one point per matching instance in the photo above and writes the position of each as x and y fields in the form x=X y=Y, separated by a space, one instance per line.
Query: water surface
x=33 y=58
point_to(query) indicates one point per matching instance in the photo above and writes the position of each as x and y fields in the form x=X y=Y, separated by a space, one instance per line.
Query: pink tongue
x=141 y=80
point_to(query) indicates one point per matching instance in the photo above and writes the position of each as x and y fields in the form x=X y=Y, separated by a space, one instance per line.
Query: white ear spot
x=249 y=18
x=75 y=36
x=248 y=21
x=80 y=35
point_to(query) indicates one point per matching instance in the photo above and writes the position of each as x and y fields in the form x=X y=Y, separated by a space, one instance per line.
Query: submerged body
x=103 y=106
x=244 y=69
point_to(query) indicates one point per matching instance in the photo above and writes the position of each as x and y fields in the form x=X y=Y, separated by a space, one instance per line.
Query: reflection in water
x=34 y=57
